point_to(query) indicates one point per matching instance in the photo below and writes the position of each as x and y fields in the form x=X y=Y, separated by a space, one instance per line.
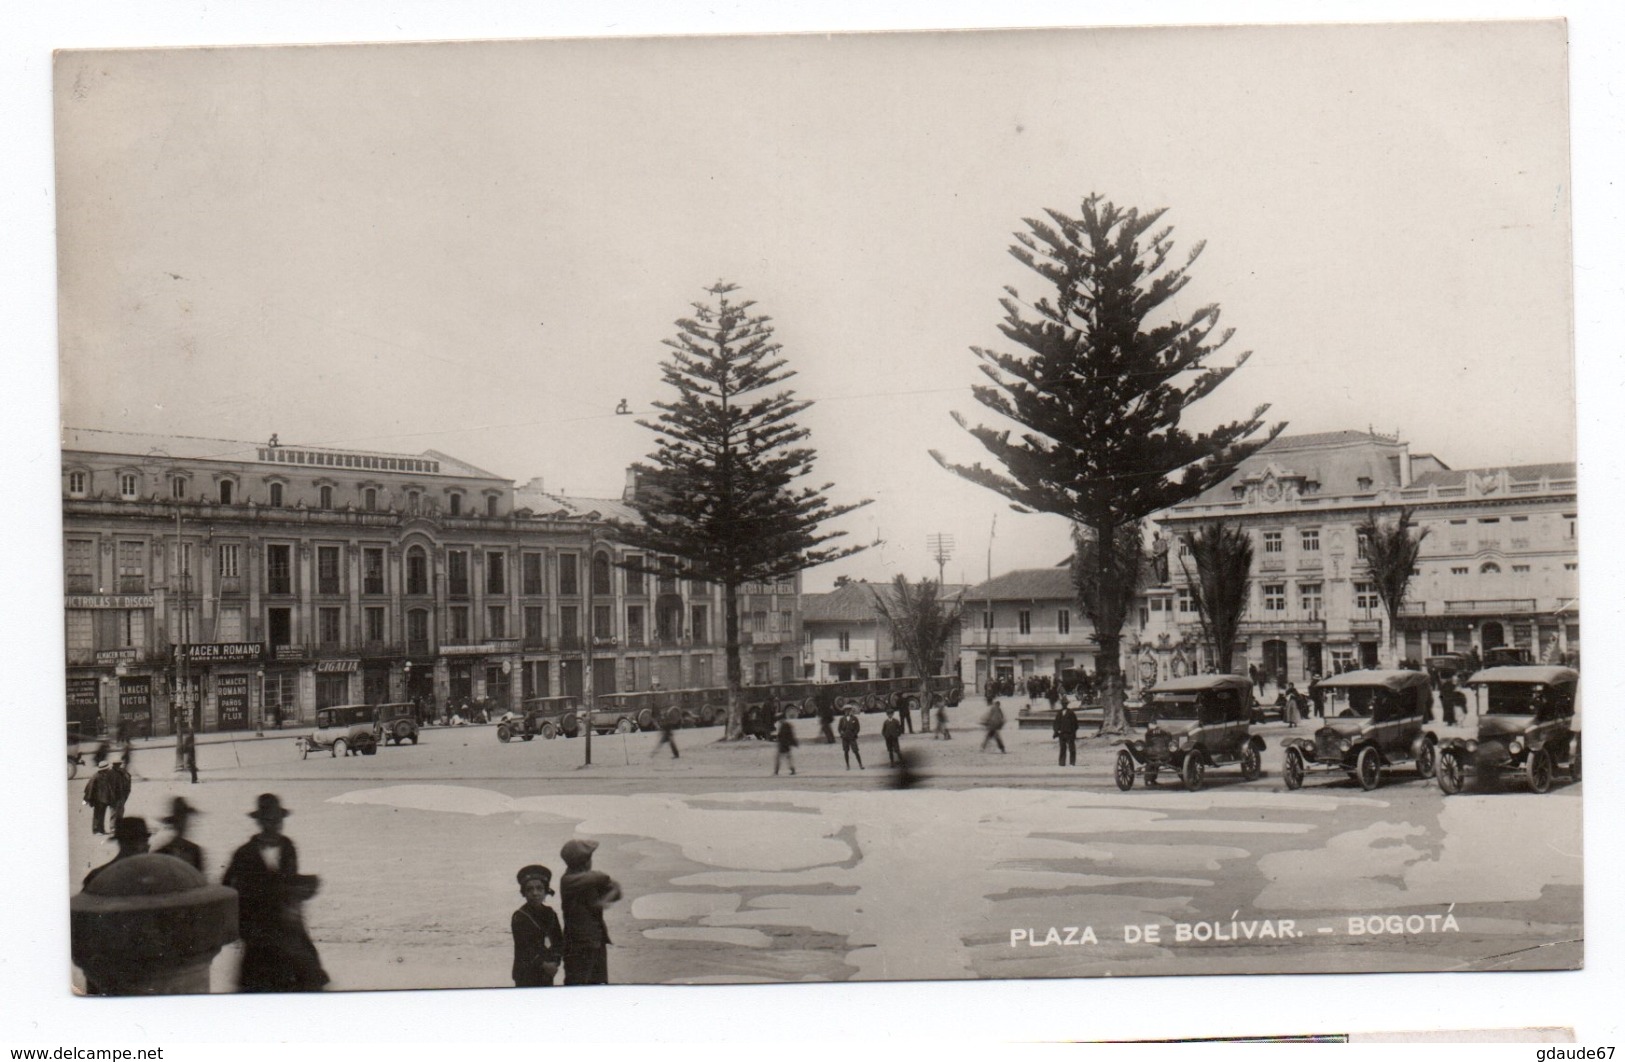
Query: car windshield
x=1353 y=702
x=1175 y=705
x=1516 y=698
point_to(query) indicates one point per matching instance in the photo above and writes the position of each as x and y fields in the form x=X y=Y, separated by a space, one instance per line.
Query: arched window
x=228 y=491
x=417 y=571
x=327 y=497
x=454 y=503
x=600 y=576
x=1490 y=568
x=276 y=495
x=490 y=505
x=369 y=498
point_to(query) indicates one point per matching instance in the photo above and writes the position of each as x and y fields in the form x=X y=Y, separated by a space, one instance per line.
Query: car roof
x=1396 y=679
x=1203 y=682
x=1548 y=674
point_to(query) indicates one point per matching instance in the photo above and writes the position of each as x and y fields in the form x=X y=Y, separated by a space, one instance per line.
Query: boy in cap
x=131 y=834
x=584 y=892
x=538 y=938
x=180 y=813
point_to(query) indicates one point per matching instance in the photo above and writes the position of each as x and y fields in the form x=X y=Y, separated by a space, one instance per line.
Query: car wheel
x=338 y=748
x=623 y=725
x=369 y=750
x=1451 y=772
x=402 y=732
x=1574 y=760
x=1368 y=769
x=1251 y=765
x=504 y=735
x=1538 y=769
x=1427 y=760
x=1293 y=771
x=1193 y=772
x=549 y=731
x=1125 y=771
x=646 y=720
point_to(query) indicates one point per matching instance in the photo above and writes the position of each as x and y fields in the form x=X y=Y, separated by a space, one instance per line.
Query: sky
x=479 y=247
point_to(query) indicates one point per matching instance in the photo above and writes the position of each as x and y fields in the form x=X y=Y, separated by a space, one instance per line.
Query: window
x=667 y=582
x=634 y=578
x=1572 y=522
x=229 y=624
x=1309 y=598
x=600 y=576
x=1309 y=540
x=374 y=624
x=457 y=572
x=372 y=570
x=603 y=622
x=567 y=574
x=761 y=673
x=535 y=624
x=1520 y=568
x=496 y=573
x=530 y=568
x=569 y=627
x=1158 y=605
x=1489 y=568
x=183 y=562
x=279 y=569
x=327 y=626
x=276 y=495
x=787 y=624
x=1272 y=541
x=417 y=571
x=79 y=556
x=127 y=485
x=1459 y=570
x=81 y=631
x=1520 y=519
x=1274 y=597
x=414 y=501
x=326 y=495
x=77 y=482
x=758 y=622
x=1489 y=519
x=230 y=560
x=496 y=621
x=177 y=487
x=1024 y=622
x=987 y=620
x=490 y=505
x=1184 y=598
x=369 y=499
x=454 y=503
x=844 y=640
x=459 y=622
x=699 y=621
x=1571 y=566
x=1362 y=545
x=132 y=567
x=417 y=631
x=634 y=625
x=1365 y=596
x=327 y=569
x=228 y=491
x=1063 y=621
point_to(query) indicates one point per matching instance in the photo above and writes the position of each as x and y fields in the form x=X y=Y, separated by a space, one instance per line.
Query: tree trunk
x=1109 y=672
x=735 y=729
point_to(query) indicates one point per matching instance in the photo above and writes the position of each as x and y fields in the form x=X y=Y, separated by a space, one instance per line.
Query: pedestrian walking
x=131 y=835
x=1447 y=701
x=119 y=780
x=993 y=722
x=1052 y=693
x=585 y=893
x=786 y=739
x=1289 y=700
x=99 y=791
x=538 y=936
x=826 y=721
x=187 y=743
x=892 y=731
x=905 y=711
x=849 y=737
x=669 y=720
x=278 y=954
x=1066 y=732
x=1317 y=697
x=180 y=813
x=942 y=723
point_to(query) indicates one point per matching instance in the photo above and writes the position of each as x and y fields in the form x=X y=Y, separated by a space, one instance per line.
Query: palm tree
x=922 y=624
x=1390 y=554
x=1223 y=556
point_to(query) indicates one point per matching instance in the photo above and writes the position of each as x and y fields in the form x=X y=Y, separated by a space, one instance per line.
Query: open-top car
x=1526 y=724
x=1193 y=723
x=1375 y=720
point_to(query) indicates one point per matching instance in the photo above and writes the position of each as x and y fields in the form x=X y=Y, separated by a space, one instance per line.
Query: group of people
x=848 y=728
x=580 y=943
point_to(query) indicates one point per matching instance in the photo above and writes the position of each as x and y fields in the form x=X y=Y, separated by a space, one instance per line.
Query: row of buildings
x=239 y=584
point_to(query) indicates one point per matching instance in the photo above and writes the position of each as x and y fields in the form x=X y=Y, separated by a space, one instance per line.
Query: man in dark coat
x=993 y=721
x=849 y=736
x=786 y=741
x=538 y=938
x=826 y=721
x=1066 y=732
x=892 y=731
x=585 y=893
x=131 y=835
x=180 y=813
x=900 y=702
x=278 y=954
x=119 y=781
x=669 y=718
x=99 y=792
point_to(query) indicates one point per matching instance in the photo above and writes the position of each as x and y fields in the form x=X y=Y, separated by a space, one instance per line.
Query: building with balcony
x=233 y=583
x=1499 y=565
x=1024 y=623
x=845 y=637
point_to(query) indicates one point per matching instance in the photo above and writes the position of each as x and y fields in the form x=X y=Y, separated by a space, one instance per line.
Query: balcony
x=419 y=647
x=80 y=583
x=376 y=649
x=132 y=584
x=534 y=641
x=373 y=587
x=570 y=643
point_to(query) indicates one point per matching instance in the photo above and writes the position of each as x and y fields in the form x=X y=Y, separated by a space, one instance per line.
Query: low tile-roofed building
x=1026 y=584
x=855 y=602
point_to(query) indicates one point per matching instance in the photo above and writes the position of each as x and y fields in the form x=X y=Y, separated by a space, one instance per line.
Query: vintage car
x=546 y=717
x=1526 y=724
x=396 y=723
x=1193 y=723
x=342 y=730
x=1375 y=720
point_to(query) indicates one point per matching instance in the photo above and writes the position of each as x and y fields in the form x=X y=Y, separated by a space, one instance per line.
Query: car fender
x=1255 y=742
x=1420 y=742
x=1137 y=754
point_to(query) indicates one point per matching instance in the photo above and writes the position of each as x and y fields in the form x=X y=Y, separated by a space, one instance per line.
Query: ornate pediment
x=1274 y=484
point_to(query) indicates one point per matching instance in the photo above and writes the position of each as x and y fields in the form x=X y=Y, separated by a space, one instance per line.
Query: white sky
x=478 y=247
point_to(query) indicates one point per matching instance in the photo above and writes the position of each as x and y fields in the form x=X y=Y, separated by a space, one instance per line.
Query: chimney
x=630 y=492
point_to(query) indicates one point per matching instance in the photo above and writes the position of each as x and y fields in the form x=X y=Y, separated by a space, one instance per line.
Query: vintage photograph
x=904 y=506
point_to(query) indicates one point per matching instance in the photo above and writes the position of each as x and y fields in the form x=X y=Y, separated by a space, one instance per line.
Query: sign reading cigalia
x=201 y=652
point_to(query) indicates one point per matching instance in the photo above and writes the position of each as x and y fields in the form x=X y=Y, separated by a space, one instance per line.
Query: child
x=538 y=938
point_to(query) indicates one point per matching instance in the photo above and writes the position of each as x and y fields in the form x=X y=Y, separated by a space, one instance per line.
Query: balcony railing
x=419 y=647
x=570 y=643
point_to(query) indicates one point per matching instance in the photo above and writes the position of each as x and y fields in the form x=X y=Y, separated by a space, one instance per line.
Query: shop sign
x=135 y=705
x=231 y=699
x=328 y=666
x=290 y=652
x=111 y=601
x=84 y=692
x=482 y=649
x=113 y=656
x=220 y=652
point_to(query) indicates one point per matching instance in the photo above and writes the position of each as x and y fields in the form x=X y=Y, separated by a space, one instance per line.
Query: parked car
x=1193 y=723
x=1376 y=720
x=396 y=722
x=1507 y=656
x=1527 y=723
x=545 y=717
x=342 y=730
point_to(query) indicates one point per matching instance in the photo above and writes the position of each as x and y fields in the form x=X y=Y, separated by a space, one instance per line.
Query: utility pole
x=942 y=551
x=987 y=617
x=587 y=691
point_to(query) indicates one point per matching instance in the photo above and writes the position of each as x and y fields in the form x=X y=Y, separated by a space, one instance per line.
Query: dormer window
x=1363 y=482
x=78 y=482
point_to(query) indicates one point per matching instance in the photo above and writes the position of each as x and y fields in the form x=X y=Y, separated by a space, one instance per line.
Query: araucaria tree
x=723 y=494
x=1222 y=557
x=1390 y=554
x=1098 y=395
x=922 y=623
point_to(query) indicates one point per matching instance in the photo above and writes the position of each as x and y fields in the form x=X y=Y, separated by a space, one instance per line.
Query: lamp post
x=259 y=716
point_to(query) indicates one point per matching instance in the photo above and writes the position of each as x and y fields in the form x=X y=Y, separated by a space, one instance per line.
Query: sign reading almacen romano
x=231 y=652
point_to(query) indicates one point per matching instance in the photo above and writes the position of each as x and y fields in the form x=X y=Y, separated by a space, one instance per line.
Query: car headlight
x=1472 y=746
x=1345 y=745
x=1515 y=746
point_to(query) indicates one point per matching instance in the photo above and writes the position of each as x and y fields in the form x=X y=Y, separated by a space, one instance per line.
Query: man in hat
x=278 y=955
x=119 y=782
x=849 y=736
x=180 y=813
x=99 y=794
x=892 y=731
x=538 y=938
x=584 y=894
x=786 y=741
x=131 y=835
x=1066 y=732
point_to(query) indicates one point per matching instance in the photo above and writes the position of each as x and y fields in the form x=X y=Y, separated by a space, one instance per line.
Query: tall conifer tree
x=1099 y=394
x=722 y=493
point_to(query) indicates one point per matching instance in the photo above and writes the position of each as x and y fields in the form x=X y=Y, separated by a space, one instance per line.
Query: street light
x=259 y=717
